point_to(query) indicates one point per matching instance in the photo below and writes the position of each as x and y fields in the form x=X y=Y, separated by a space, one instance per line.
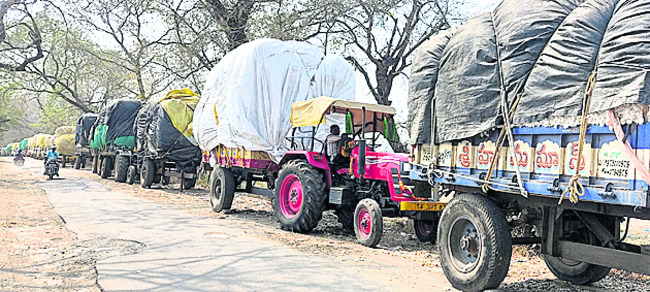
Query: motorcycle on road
x=52 y=168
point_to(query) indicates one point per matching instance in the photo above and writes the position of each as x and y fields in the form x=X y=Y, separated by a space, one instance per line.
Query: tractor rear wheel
x=368 y=222
x=475 y=243
x=222 y=189
x=300 y=195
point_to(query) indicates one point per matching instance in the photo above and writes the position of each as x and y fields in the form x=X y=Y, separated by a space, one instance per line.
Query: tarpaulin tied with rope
x=544 y=51
x=570 y=63
x=163 y=129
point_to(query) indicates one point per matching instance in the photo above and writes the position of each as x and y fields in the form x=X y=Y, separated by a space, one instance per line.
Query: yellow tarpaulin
x=179 y=106
x=60 y=131
x=310 y=113
x=65 y=144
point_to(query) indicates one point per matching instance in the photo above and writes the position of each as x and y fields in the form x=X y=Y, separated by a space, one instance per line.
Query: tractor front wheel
x=299 y=199
x=106 y=167
x=368 y=222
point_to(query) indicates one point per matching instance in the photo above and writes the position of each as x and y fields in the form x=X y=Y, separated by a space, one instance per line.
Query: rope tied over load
x=575 y=189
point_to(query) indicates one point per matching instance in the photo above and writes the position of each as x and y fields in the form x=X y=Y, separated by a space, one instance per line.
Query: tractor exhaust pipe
x=362 y=145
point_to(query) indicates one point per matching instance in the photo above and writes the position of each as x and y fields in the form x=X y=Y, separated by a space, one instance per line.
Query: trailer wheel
x=95 y=163
x=345 y=216
x=121 y=168
x=222 y=189
x=576 y=272
x=131 y=174
x=426 y=230
x=475 y=242
x=299 y=199
x=77 y=162
x=147 y=173
x=106 y=167
x=188 y=184
x=368 y=222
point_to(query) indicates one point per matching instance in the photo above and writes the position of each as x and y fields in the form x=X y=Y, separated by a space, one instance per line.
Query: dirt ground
x=37 y=245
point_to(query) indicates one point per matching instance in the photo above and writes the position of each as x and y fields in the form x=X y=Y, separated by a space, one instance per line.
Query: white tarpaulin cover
x=248 y=95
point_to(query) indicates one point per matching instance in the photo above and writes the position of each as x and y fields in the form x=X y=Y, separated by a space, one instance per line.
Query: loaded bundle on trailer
x=534 y=104
x=82 y=133
x=113 y=134
x=164 y=142
x=64 y=141
x=243 y=117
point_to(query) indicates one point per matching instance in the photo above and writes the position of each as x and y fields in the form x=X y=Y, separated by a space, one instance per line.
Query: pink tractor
x=341 y=172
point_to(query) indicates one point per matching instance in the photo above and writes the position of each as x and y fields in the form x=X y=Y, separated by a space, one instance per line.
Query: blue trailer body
x=611 y=181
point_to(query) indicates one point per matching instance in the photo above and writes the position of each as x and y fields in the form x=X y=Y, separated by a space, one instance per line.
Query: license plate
x=422 y=206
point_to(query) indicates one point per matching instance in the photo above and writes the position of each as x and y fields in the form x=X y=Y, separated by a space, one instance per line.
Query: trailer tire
x=345 y=216
x=147 y=173
x=574 y=272
x=121 y=168
x=95 y=163
x=188 y=184
x=77 y=162
x=222 y=189
x=106 y=168
x=475 y=243
x=426 y=230
x=131 y=174
x=368 y=222
x=299 y=197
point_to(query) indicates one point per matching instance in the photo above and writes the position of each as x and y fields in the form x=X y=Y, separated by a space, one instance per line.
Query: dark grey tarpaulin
x=82 y=130
x=157 y=137
x=119 y=117
x=546 y=52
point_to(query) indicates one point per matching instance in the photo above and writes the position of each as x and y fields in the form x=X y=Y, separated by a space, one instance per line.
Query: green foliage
x=55 y=113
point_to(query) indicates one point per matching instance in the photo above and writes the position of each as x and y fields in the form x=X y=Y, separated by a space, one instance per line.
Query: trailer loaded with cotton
x=536 y=114
x=82 y=137
x=276 y=137
x=165 y=145
x=112 y=135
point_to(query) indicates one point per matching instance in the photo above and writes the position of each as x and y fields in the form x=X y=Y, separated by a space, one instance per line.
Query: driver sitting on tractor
x=332 y=141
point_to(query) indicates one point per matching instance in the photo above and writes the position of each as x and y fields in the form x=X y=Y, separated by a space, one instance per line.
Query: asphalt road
x=182 y=252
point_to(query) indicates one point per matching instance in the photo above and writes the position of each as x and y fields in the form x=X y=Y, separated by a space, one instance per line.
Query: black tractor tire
x=475 y=243
x=131 y=174
x=313 y=197
x=166 y=180
x=147 y=173
x=121 y=168
x=427 y=230
x=107 y=167
x=157 y=178
x=77 y=162
x=368 y=236
x=345 y=216
x=188 y=184
x=222 y=189
x=95 y=163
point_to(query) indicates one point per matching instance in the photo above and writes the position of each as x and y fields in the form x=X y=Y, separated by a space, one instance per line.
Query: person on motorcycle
x=19 y=155
x=52 y=155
